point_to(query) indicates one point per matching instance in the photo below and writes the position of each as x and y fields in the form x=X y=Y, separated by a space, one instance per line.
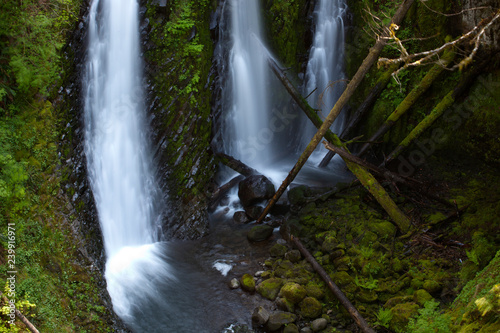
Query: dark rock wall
x=178 y=51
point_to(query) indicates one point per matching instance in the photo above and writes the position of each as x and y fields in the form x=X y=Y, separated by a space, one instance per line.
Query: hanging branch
x=426 y=57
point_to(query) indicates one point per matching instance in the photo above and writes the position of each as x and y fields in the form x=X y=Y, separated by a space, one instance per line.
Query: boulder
x=319 y=324
x=254 y=189
x=291 y=328
x=278 y=319
x=260 y=316
x=253 y=212
x=293 y=292
x=260 y=233
x=278 y=250
x=241 y=217
x=270 y=288
x=247 y=283
x=310 y=307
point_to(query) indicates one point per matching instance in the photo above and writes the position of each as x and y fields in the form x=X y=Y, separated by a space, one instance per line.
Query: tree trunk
x=410 y=99
x=367 y=104
x=342 y=101
x=21 y=317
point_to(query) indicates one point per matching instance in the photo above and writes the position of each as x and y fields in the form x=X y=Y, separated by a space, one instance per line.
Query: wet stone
x=260 y=316
x=241 y=217
x=260 y=233
x=278 y=319
x=234 y=283
x=255 y=188
x=319 y=324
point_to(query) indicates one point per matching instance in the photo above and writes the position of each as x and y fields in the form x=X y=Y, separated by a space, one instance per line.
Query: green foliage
x=384 y=317
x=430 y=320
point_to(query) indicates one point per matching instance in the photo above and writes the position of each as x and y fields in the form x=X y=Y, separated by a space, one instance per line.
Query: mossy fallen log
x=236 y=165
x=410 y=99
x=438 y=110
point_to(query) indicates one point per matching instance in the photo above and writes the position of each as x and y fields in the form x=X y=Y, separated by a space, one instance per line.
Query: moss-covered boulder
x=279 y=319
x=278 y=250
x=293 y=292
x=259 y=233
x=310 y=307
x=247 y=283
x=270 y=288
x=401 y=314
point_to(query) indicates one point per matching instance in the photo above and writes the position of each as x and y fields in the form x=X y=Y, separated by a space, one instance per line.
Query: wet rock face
x=178 y=104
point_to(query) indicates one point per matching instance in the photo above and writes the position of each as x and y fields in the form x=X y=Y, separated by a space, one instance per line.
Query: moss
x=293 y=292
x=270 y=288
x=401 y=314
x=310 y=307
x=247 y=283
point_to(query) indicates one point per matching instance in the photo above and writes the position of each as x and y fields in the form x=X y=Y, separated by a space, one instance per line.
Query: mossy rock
x=314 y=291
x=298 y=195
x=342 y=278
x=421 y=296
x=278 y=250
x=259 y=233
x=293 y=292
x=432 y=286
x=366 y=296
x=291 y=328
x=285 y=305
x=293 y=255
x=384 y=229
x=401 y=314
x=247 y=283
x=270 y=288
x=310 y=307
x=279 y=319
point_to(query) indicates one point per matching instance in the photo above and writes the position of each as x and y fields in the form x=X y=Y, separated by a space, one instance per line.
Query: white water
x=119 y=169
x=326 y=63
x=249 y=110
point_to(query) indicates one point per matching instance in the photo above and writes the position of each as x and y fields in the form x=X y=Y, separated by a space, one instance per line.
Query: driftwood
x=22 y=318
x=236 y=165
x=356 y=117
x=365 y=178
x=409 y=100
x=355 y=315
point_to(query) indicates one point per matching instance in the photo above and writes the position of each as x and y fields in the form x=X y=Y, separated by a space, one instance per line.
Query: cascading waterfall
x=249 y=106
x=326 y=63
x=119 y=167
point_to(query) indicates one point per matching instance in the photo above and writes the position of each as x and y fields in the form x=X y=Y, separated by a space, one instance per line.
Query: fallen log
x=365 y=178
x=367 y=104
x=236 y=165
x=409 y=100
x=222 y=190
x=353 y=312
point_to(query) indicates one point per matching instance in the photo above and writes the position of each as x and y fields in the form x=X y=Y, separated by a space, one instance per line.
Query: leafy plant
x=384 y=317
x=430 y=320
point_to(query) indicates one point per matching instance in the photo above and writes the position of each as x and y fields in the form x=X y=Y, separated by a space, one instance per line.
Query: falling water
x=249 y=105
x=326 y=62
x=119 y=167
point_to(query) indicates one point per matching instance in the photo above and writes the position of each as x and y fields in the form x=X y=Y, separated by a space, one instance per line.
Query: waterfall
x=247 y=136
x=118 y=160
x=326 y=63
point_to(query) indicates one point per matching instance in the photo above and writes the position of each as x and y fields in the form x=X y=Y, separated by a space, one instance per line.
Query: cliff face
x=177 y=52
